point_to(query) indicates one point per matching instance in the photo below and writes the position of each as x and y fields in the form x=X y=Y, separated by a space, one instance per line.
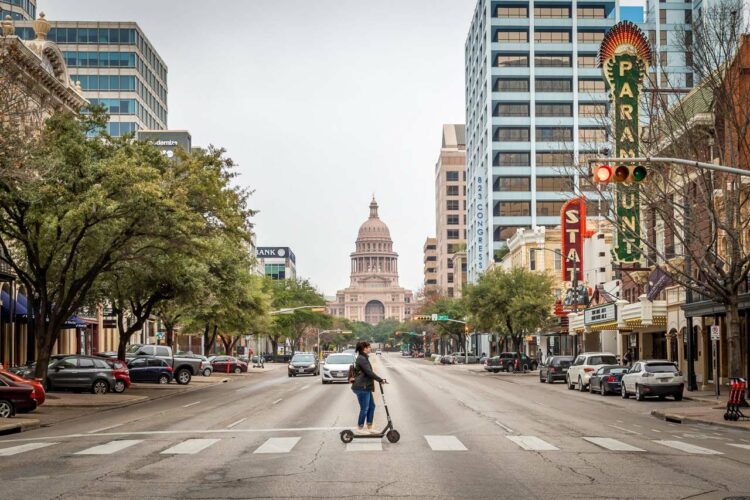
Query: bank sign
x=275 y=252
x=573 y=222
x=625 y=56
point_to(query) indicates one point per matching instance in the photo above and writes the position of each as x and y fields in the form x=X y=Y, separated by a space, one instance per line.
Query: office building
x=278 y=263
x=430 y=271
x=114 y=62
x=450 y=206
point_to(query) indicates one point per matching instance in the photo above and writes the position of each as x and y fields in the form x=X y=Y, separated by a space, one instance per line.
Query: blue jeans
x=366 y=406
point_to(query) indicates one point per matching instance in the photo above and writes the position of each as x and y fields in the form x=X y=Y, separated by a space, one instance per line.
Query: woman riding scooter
x=364 y=387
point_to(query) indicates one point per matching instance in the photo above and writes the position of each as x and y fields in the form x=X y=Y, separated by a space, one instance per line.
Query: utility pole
x=692 y=384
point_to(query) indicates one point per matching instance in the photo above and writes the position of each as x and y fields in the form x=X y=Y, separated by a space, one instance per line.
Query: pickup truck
x=462 y=358
x=184 y=367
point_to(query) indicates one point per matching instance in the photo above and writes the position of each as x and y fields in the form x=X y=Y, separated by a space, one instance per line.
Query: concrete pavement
x=464 y=435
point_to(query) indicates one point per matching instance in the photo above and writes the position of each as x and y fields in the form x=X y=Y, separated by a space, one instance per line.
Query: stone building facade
x=373 y=293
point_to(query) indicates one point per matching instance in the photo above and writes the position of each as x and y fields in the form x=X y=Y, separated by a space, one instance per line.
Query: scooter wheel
x=347 y=436
x=393 y=436
x=726 y=416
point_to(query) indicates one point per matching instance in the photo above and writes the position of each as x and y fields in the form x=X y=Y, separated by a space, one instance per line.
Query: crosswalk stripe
x=445 y=443
x=532 y=443
x=109 y=448
x=15 y=450
x=611 y=444
x=374 y=445
x=689 y=448
x=278 y=445
x=189 y=447
x=743 y=446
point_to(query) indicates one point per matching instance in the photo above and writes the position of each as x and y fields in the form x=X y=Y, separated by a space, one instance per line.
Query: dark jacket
x=365 y=375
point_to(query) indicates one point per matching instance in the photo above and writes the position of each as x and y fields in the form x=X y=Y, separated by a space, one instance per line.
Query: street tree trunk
x=734 y=351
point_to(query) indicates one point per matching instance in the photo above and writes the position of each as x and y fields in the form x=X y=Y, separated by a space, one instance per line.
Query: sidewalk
x=710 y=415
x=70 y=399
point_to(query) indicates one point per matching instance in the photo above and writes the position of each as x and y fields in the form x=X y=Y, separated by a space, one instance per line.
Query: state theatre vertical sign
x=624 y=57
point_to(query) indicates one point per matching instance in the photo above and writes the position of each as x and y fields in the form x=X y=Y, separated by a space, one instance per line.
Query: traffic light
x=318 y=309
x=604 y=174
x=422 y=317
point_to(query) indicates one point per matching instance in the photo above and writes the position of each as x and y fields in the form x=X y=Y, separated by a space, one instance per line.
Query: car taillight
x=611 y=379
x=169 y=368
x=588 y=370
x=33 y=394
x=552 y=369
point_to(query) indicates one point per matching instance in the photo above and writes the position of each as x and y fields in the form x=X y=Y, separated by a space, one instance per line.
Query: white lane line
x=623 y=429
x=532 y=443
x=689 y=448
x=743 y=446
x=278 y=445
x=236 y=423
x=636 y=425
x=503 y=427
x=654 y=430
x=305 y=387
x=744 y=440
x=375 y=445
x=278 y=401
x=15 y=450
x=611 y=444
x=190 y=447
x=109 y=448
x=445 y=443
x=104 y=428
x=191 y=404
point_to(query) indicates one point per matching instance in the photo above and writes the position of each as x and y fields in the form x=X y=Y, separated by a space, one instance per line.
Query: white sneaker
x=361 y=431
x=372 y=430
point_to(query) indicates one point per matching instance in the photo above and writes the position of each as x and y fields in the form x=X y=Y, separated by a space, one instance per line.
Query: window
x=552 y=36
x=552 y=85
x=552 y=61
x=595 y=110
x=85 y=363
x=688 y=80
x=512 y=36
x=105 y=82
x=512 y=134
x=552 y=12
x=137 y=363
x=515 y=12
x=162 y=351
x=452 y=205
x=532 y=259
x=558 y=261
x=512 y=110
x=590 y=12
x=452 y=220
x=689 y=59
x=663 y=16
x=513 y=184
x=512 y=61
x=554 y=184
x=662 y=37
x=100 y=59
x=452 y=234
x=512 y=159
x=449 y=262
x=275 y=271
x=452 y=190
x=450 y=277
x=688 y=17
x=549 y=208
x=652 y=37
x=554 y=134
x=451 y=176
x=592 y=135
x=688 y=38
x=513 y=208
x=590 y=36
x=550 y=109
x=512 y=85
x=554 y=159
x=505 y=232
x=591 y=86
x=663 y=58
x=67 y=363
x=587 y=61
x=116 y=106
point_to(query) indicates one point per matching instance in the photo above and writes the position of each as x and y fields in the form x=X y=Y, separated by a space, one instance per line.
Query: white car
x=378 y=352
x=584 y=366
x=336 y=368
x=655 y=377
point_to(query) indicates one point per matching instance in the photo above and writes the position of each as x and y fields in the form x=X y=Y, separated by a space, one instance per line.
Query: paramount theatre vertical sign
x=625 y=56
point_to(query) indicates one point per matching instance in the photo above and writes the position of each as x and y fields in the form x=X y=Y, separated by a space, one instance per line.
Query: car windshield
x=661 y=368
x=617 y=371
x=133 y=349
x=339 y=359
x=562 y=363
x=307 y=358
x=602 y=360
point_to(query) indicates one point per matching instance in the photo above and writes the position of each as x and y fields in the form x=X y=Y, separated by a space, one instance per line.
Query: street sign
x=159 y=335
x=442 y=317
x=434 y=317
x=715 y=332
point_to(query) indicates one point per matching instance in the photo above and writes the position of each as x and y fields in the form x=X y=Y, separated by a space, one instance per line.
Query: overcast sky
x=321 y=102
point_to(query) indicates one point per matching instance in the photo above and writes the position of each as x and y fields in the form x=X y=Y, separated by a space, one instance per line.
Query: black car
x=81 y=372
x=607 y=379
x=513 y=361
x=150 y=369
x=554 y=368
x=303 y=364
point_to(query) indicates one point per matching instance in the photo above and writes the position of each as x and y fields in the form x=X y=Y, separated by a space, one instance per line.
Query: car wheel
x=119 y=386
x=541 y=380
x=678 y=397
x=602 y=390
x=290 y=375
x=549 y=379
x=624 y=392
x=100 y=387
x=207 y=372
x=510 y=369
x=238 y=370
x=567 y=382
x=6 y=409
x=581 y=387
x=638 y=393
x=163 y=380
x=183 y=376
x=591 y=388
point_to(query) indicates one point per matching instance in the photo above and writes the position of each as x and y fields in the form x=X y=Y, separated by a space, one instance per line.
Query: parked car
x=379 y=352
x=227 y=364
x=16 y=397
x=150 y=369
x=336 y=368
x=656 y=377
x=447 y=359
x=406 y=353
x=513 y=361
x=584 y=366
x=39 y=392
x=81 y=372
x=606 y=379
x=183 y=367
x=554 y=368
x=462 y=358
x=121 y=373
x=303 y=364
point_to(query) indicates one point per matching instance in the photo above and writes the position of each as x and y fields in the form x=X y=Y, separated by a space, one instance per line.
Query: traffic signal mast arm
x=681 y=161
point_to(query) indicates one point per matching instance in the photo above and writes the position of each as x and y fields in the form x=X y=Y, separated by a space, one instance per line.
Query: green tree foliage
x=514 y=303
x=454 y=309
x=293 y=326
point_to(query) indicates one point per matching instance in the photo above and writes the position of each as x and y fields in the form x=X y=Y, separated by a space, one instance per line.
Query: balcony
x=6 y=271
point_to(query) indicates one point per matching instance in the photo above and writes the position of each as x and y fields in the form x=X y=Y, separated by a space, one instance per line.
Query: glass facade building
x=18 y=10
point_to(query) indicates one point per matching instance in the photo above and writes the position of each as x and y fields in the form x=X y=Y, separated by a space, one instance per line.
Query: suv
x=81 y=372
x=657 y=377
x=303 y=364
x=554 y=368
x=584 y=366
x=512 y=361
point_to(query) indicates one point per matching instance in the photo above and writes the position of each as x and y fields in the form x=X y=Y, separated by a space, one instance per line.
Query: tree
x=515 y=303
x=291 y=293
x=454 y=309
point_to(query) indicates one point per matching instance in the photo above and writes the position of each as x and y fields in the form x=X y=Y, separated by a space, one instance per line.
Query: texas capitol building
x=374 y=293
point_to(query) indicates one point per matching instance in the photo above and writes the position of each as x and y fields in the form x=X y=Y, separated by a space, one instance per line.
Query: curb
x=680 y=419
x=26 y=424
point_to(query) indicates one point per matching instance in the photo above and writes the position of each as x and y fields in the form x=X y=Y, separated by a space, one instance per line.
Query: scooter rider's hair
x=360 y=348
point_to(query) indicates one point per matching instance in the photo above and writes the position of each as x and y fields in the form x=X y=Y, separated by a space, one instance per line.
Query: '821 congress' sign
x=624 y=57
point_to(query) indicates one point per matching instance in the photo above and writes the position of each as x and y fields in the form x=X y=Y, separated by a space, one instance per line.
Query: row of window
x=100 y=59
x=548 y=36
x=523 y=184
x=586 y=110
x=26 y=5
x=453 y=175
x=454 y=205
x=99 y=36
x=522 y=134
x=543 y=208
x=548 y=85
x=557 y=12
x=543 y=159
x=116 y=106
x=516 y=60
x=151 y=79
x=105 y=82
x=116 y=129
x=16 y=16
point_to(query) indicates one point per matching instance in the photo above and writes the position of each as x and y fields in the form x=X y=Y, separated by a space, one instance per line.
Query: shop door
x=659 y=345
x=709 y=350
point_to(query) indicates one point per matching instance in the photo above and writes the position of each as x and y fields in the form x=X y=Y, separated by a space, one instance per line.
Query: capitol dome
x=374 y=228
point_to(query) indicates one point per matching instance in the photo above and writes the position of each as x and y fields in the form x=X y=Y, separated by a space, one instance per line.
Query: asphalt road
x=464 y=434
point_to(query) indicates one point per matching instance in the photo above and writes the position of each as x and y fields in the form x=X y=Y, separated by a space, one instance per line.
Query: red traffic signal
x=602 y=174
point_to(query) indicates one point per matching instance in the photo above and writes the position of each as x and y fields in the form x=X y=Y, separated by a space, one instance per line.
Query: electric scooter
x=389 y=432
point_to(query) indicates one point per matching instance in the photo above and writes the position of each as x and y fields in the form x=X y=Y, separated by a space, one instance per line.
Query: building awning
x=74 y=322
x=20 y=307
x=712 y=308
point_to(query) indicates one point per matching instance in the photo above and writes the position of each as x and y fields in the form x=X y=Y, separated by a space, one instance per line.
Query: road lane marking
x=445 y=443
x=278 y=445
x=624 y=429
x=743 y=446
x=191 y=404
x=305 y=387
x=532 y=443
x=109 y=448
x=689 y=448
x=190 y=447
x=375 y=445
x=657 y=431
x=15 y=450
x=278 y=401
x=611 y=444
x=236 y=423
x=503 y=427
x=105 y=428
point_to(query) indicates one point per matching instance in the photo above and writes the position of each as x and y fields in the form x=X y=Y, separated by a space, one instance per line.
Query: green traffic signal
x=639 y=173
